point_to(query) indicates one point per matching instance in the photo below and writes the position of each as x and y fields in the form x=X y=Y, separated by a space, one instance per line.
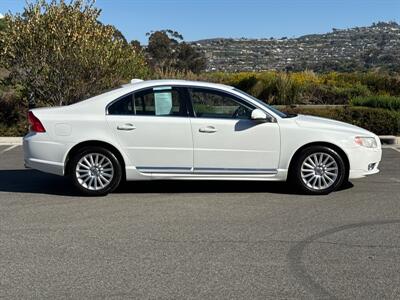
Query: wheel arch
x=334 y=147
x=94 y=143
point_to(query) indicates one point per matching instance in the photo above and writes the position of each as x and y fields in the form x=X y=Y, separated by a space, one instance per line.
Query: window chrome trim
x=240 y=97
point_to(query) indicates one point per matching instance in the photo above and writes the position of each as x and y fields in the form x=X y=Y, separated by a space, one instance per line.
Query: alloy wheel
x=94 y=171
x=319 y=171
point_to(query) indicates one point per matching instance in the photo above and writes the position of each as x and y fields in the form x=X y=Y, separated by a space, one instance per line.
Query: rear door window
x=158 y=101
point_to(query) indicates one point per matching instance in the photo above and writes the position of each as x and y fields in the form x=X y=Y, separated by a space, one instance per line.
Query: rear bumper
x=43 y=155
x=360 y=159
x=45 y=166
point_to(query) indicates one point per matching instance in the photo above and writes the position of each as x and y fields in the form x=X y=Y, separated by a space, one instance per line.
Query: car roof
x=150 y=83
x=98 y=103
x=101 y=100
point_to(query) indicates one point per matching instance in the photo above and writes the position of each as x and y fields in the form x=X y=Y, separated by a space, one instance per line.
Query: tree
x=2 y=24
x=161 y=49
x=135 y=44
x=61 y=53
x=166 y=50
x=2 y=28
x=189 y=59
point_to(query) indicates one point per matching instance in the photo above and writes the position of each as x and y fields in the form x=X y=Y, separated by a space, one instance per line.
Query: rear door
x=226 y=140
x=153 y=128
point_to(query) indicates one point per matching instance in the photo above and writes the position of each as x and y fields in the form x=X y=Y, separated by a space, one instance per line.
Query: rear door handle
x=208 y=129
x=126 y=127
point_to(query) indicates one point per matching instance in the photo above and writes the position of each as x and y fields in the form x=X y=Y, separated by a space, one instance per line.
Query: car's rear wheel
x=319 y=170
x=95 y=171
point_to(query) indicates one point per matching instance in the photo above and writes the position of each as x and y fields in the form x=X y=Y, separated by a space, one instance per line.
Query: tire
x=95 y=171
x=318 y=170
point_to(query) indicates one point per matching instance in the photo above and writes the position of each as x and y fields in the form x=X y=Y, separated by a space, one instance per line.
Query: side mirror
x=258 y=115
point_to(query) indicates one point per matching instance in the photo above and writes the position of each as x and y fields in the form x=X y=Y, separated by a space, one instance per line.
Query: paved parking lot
x=198 y=239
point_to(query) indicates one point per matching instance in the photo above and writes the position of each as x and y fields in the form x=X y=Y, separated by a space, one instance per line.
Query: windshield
x=278 y=112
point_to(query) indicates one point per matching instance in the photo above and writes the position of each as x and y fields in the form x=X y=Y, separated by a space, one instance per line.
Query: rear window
x=157 y=101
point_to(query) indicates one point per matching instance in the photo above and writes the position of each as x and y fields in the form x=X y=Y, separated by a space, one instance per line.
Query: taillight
x=35 y=124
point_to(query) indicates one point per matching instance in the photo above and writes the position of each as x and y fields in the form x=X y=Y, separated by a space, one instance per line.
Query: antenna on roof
x=136 y=80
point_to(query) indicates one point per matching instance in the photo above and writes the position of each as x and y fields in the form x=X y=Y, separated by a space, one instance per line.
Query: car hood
x=329 y=124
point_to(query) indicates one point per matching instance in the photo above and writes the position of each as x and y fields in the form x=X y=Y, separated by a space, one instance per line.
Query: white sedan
x=175 y=129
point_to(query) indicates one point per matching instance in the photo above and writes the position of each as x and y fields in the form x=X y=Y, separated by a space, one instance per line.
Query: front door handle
x=208 y=129
x=126 y=127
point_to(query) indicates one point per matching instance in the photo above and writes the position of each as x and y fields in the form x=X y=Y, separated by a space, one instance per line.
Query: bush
x=388 y=102
x=61 y=53
x=305 y=87
x=12 y=114
x=379 y=121
x=19 y=129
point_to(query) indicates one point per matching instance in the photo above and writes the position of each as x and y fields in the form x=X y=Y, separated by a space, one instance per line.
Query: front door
x=153 y=128
x=226 y=140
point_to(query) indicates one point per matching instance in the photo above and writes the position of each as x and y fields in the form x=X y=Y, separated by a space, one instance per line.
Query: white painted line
x=395 y=149
x=8 y=149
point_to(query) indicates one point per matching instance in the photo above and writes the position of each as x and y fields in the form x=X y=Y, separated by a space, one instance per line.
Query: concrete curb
x=390 y=139
x=385 y=139
x=12 y=140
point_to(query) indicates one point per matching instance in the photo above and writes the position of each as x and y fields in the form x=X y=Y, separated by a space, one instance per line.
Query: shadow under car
x=32 y=181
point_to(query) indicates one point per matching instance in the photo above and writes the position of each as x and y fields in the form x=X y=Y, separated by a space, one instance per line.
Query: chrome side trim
x=234 y=171
x=175 y=170
x=215 y=171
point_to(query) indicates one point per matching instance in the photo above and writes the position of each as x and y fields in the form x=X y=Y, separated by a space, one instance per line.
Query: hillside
x=360 y=48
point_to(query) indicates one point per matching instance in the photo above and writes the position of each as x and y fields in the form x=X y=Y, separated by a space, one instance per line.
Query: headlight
x=368 y=142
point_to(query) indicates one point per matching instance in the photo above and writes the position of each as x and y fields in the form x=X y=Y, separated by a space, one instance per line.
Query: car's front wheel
x=319 y=170
x=95 y=171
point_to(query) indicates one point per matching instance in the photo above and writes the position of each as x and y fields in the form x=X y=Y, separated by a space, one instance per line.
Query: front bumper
x=361 y=158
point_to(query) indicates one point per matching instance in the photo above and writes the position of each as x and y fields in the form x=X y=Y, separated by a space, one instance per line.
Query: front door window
x=215 y=104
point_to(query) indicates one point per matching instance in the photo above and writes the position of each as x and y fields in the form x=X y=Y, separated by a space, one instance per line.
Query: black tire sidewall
x=116 y=165
x=299 y=161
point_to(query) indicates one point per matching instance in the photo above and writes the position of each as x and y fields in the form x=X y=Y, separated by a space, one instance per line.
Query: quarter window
x=158 y=101
x=216 y=104
x=123 y=106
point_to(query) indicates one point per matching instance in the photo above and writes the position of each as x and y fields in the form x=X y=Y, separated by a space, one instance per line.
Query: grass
x=387 y=102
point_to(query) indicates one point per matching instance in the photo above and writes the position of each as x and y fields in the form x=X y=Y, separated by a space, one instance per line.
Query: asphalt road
x=175 y=240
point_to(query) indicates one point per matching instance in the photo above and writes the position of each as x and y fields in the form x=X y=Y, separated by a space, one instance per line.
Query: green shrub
x=299 y=87
x=379 y=83
x=19 y=129
x=379 y=121
x=305 y=87
x=388 y=102
x=12 y=112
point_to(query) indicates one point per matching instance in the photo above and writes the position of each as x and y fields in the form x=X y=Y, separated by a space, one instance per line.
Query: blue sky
x=199 y=19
